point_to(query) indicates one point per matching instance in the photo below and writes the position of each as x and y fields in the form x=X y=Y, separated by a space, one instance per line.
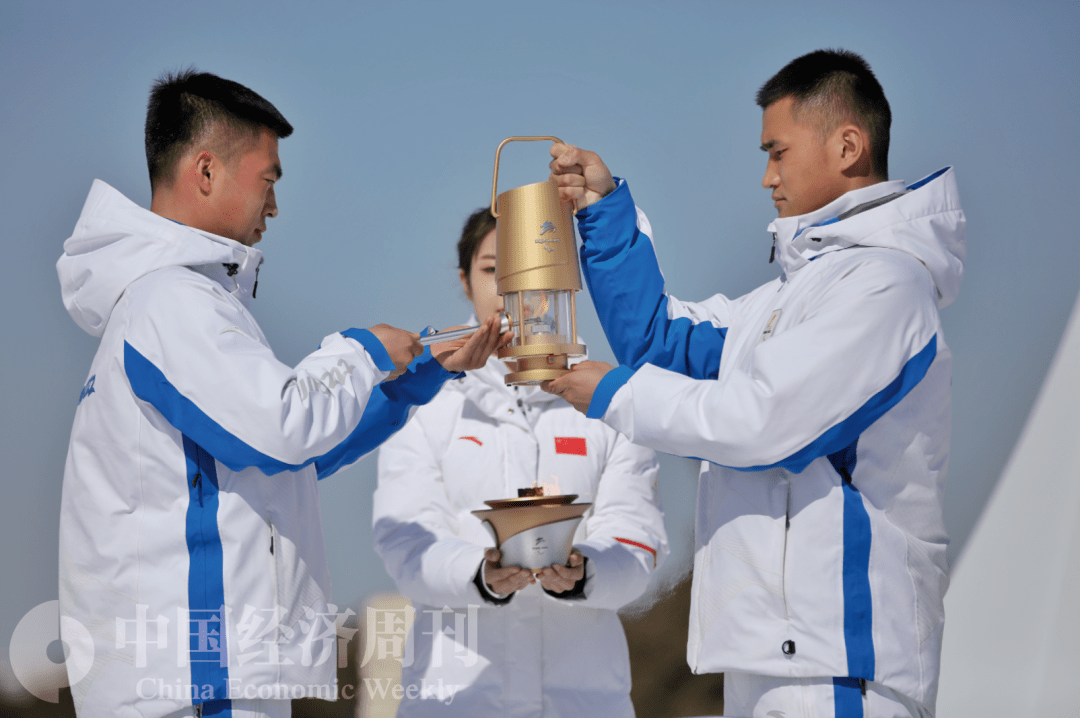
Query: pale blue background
x=398 y=109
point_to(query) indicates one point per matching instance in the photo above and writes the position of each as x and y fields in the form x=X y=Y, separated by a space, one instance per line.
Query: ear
x=205 y=168
x=853 y=147
x=465 y=285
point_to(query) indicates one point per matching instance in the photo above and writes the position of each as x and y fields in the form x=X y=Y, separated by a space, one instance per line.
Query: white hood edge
x=925 y=222
x=115 y=242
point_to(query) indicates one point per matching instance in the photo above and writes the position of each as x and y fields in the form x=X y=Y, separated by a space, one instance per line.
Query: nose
x=771 y=180
x=271 y=203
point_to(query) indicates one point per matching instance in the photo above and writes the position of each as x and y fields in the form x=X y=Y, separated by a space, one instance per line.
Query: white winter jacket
x=192 y=565
x=820 y=404
x=537 y=655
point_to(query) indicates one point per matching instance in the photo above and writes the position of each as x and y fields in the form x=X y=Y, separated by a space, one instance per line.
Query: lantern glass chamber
x=541 y=317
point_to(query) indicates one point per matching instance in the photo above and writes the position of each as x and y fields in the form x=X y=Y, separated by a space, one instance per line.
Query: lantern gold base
x=535 y=370
x=540 y=351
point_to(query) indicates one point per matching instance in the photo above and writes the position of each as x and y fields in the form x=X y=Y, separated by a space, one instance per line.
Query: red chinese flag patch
x=571 y=445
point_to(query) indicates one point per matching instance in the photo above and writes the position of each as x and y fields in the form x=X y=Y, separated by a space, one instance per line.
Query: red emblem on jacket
x=472 y=438
x=571 y=445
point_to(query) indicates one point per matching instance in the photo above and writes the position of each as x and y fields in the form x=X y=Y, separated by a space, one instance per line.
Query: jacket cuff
x=605 y=391
x=485 y=592
x=373 y=346
x=427 y=375
x=613 y=203
x=618 y=574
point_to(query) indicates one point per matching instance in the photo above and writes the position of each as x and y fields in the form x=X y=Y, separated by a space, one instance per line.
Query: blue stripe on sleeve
x=847 y=431
x=373 y=346
x=149 y=384
x=207 y=649
x=386 y=412
x=847 y=698
x=627 y=288
x=605 y=391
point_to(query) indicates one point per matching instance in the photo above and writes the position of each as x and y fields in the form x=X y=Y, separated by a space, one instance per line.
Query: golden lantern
x=536 y=272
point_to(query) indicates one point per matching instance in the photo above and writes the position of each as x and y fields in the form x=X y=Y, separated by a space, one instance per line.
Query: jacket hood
x=116 y=242
x=923 y=219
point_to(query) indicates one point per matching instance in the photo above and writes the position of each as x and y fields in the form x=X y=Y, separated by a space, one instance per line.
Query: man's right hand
x=503 y=581
x=581 y=176
x=402 y=346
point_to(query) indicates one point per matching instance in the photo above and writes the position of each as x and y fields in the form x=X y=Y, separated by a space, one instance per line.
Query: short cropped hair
x=188 y=106
x=838 y=86
x=477 y=226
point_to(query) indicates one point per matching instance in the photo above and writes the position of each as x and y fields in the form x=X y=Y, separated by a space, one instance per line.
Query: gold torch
x=536 y=272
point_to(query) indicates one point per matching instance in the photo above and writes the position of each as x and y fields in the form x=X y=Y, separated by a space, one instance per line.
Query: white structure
x=1012 y=627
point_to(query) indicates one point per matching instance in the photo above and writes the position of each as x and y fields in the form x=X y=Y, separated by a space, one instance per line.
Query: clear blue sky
x=398 y=109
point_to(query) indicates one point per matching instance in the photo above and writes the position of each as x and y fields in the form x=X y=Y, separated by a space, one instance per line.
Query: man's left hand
x=558 y=578
x=473 y=351
x=577 y=386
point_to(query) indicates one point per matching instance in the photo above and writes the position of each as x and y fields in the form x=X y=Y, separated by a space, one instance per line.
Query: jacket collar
x=239 y=278
x=923 y=220
x=794 y=239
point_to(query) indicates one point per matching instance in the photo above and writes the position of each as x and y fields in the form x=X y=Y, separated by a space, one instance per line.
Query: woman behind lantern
x=508 y=642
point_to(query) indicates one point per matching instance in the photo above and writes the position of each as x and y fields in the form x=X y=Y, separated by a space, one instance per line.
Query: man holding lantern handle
x=819 y=404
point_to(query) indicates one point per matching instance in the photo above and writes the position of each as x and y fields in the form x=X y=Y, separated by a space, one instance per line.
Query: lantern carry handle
x=495 y=178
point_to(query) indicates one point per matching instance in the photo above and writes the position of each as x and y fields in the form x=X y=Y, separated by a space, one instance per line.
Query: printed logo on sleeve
x=472 y=439
x=574 y=445
x=87 y=389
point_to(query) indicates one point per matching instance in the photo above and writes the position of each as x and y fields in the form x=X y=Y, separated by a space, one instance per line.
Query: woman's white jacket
x=537 y=655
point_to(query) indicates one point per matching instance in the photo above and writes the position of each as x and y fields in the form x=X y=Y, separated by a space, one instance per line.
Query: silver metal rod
x=449 y=335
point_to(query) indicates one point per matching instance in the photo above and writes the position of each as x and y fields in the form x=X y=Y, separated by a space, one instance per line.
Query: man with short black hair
x=193 y=577
x=819 y=403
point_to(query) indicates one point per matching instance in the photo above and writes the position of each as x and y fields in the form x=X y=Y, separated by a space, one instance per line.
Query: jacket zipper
x=277 y=594
x=783 y=562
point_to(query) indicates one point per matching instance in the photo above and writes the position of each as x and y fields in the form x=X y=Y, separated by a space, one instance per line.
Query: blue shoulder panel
x=149 y=384
x=848 y=431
